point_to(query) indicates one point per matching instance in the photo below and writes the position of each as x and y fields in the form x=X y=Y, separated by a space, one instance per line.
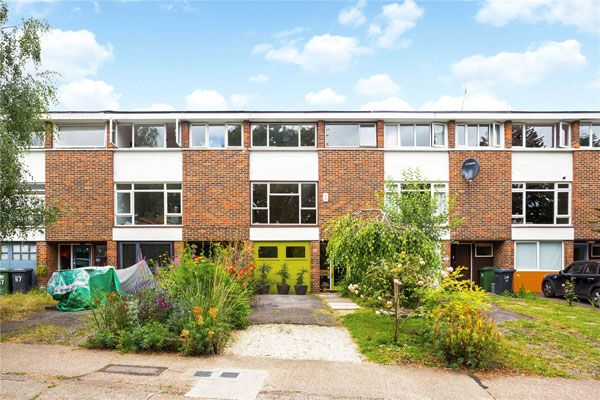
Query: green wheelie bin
x=4 y=281
x=486 y=278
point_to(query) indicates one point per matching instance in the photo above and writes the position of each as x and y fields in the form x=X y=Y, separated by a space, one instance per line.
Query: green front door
x=296 y=255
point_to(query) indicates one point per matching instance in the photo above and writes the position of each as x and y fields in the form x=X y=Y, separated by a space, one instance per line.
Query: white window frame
x=299 y=124
x=70 y=246
x=537 y=259
x=359 y=125
x=480 y=245
x=431 y=135
x=556 y=190
x=133 y=125
x=591 y=139
x=434 y=187
x=268 y=207
x=57 y=133
x=178 y=139
x=592 y=247
x=564 y=142
x=34 y=135
x=493 y=141
x=112 y=129
x=132 y=192
x=554 y=126
x=206 y=137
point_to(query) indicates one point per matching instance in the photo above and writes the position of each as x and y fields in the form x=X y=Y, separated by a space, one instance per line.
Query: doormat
x=133 y=370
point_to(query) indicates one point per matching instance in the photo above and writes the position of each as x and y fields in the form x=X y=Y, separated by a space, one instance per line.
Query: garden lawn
x=16 y=306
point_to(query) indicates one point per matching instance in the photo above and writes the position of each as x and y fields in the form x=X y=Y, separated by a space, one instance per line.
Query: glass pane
x=497 y=136
x=156 y=254
x=259 y=195
x=123 y=186
x=123 y=220
x=540 y=207
x=174 y=186
x=25 y=256
x=149 y=136
x=284 y=188
x=284 y=209
x=517 y=204
x=16 y=256
x=483 y=250
x=551 y=256
x=37 y=140
x=539 y=136
x=174 y=220
x=149 y=186
x=596 y=135
x=216 y=136
x=341 y=135
x=565 y=134
x=149 y=208
x=123 y=203
x=472 y=136
x=16 y=248
x=526 y=255
x=198 y=133
x=484 y=135
x=283 y=135
x=295 y=252
x=391 y=135
x=460 y=135
x=309 y=217
x=128 y=255
x=562 y=220
x=439 y=137
x=267 y=252
x=82 y=256
x=259 y=217
x=562 y=185
x=259 y=135
x=307 y=135
x=81 y=136
x=407 y=135
x=584 y=135
x=368 y=136
x=308 y=195
x=173 y=203
x=549 y=186
x=517 y=135
x=234 y=135
x=423 y=133
x=563 y=203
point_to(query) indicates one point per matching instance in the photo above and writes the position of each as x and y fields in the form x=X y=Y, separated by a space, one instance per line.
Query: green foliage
x=41 y=270
x=597 y=222
x=300 y=277
x=521 y=294
x=26 y=95
x=284 y=274
x=262 y=277
x=569 y=291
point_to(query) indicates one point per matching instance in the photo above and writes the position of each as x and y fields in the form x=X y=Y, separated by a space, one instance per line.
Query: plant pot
x=324 y=289
x=283 y=289
x=301 y=289
x=264 y=289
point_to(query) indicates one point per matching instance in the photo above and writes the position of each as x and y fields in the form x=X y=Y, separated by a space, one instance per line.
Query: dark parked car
x=585 y=274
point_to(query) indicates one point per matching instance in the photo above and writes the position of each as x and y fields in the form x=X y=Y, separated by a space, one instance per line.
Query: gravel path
x=300 y=342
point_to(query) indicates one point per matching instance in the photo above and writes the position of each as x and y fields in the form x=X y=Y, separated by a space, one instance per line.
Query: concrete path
x=291 y=309
x=339 y=304
x=59 y=372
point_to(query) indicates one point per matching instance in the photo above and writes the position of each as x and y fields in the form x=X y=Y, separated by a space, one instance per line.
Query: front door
x=580 y=252
x=460 y=256
x=295 y=255
x=82 y=255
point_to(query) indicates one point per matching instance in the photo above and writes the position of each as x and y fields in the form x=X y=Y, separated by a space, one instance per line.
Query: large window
x=80 y=136
x=541 y=203
x=284 y=135
x=478 y=135
x=589 y=135
x=17 y=251
x=284 y=203
x=350 y=135
x=541 y=136
x=156 y=254
x=437 y=190
x=545 y=256
x=415 y=135
x=145 y=135
x=216 y=136
x=148 y=204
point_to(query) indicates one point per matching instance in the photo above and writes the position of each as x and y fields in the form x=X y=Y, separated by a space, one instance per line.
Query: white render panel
x=38 y=235
x=284 y=233
x=433 y=165
x=143 y=234
x=35 y=163
x=530 y=166
x=148 y=166
x=543 y=233
x=284 y=165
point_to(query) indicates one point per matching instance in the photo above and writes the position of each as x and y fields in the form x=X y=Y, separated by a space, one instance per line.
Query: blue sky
x=405 y=55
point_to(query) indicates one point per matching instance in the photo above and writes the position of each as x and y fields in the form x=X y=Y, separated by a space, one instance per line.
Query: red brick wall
x=315 y=267
x=380 y=134
x=486 y=202
x=508 y=134
x=185 y=134
x=575 y=135
x=586 y=193
x=451 y=134
x=80 y=183
x=112 y=253
x=46 y=254
x=321 y=134
x=504 y=254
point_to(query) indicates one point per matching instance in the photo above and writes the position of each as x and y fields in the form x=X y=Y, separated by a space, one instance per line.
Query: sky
x=321 y=55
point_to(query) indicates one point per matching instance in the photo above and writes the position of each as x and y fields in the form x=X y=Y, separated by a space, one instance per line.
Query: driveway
x=291 y=309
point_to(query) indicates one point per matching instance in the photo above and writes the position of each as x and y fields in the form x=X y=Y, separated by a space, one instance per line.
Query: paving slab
x=242 y=384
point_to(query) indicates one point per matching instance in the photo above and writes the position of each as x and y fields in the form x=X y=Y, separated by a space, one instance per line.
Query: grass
x=40 y=333
x=16 y=306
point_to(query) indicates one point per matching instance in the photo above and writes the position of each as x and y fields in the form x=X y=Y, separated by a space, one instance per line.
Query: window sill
x=541 y=149
x=284 y=226
x=412 y=149
x=213 y=148
x=85 y=148
x=525 y=226
x=267 y=149
x=142 y=149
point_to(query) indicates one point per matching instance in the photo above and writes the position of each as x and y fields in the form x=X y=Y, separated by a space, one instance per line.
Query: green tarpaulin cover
x=75 y=289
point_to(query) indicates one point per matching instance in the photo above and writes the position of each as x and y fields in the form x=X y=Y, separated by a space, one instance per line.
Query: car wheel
x=596 y=297
x=548 y=289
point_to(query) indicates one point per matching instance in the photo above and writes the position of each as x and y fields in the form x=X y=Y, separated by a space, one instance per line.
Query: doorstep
x=340 y=304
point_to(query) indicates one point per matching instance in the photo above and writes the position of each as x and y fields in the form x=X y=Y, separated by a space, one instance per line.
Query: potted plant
x=284 y=275
x=300 y=287
x=262 y=279
x=324 y=287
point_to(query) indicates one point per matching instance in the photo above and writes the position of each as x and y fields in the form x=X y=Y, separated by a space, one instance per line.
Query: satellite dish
x=470 y=169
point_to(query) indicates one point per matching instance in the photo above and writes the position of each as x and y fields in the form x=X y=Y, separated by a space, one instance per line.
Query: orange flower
x=211 y=334
x=185 y=334
x=200 y=320
x=197 y=311
x=213 y=312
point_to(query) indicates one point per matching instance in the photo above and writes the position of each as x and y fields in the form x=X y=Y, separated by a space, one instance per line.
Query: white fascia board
x=147 y=234
x=543 y=233
x=283 y=234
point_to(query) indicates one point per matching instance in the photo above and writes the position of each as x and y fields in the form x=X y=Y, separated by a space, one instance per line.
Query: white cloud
x=325 y=52
x=397 y=20
x=521 y=69
x=389 y=104
x=582 y=14
x=353 y=15
x=477 y=102
x=201 y=99
x=156 y=107
x=88 y=95
x=74 y=54
x=260 y=78
x=239 y=100
x=290 y=32
x=324 y=97
x=377 y=85
x=261 y=48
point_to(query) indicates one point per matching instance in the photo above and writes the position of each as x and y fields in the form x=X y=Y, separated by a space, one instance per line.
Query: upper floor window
x=284 y=203
x=589 y=135
x=541 y=203
x=144 y=135
x=80 y=136
x=478 y=135
x=148 y=204
x=216 y=136
x=415 y=135
x=284 y=135
x=350 y=135
x=37 y=141
x=439 y=191
x=541 y=136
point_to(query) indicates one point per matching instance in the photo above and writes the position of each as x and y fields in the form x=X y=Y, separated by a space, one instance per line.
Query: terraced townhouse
x=134 y=183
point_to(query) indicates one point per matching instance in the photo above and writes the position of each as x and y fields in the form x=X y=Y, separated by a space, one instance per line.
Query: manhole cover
x=133 y=370
x=203 y=374
x=229 y=374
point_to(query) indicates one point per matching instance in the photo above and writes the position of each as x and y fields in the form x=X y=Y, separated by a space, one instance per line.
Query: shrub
x=41 y=270
x=569 y=291
x=300 y=277
x=284 y=274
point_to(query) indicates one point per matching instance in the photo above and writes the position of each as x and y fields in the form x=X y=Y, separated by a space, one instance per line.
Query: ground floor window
x=156 y=254
x=17 y=254
x=595 y=250
x=545 y=256
x=284 y=203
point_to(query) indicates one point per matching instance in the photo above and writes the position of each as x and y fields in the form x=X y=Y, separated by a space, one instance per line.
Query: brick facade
x=315 y=267
x=586 y=193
